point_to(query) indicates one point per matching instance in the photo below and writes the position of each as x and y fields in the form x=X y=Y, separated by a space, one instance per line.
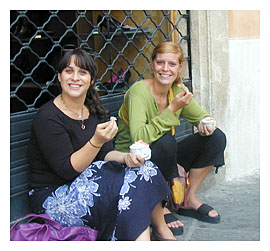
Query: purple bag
x=49 y=231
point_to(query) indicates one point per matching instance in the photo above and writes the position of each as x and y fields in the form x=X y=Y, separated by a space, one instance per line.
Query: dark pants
x=195 y=151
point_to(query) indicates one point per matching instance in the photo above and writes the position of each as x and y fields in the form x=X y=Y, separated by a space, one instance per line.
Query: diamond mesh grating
x=123 y=41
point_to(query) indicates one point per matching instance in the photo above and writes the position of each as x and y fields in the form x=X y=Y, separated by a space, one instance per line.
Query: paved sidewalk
x=238 y=202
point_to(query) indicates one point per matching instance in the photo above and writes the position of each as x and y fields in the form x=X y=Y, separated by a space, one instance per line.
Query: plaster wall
x=244 y=72
x=225 y=72
x=243 y=132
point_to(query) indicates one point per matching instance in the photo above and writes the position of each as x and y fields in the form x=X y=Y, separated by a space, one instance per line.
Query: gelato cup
x=211 y=122
x=141 y=148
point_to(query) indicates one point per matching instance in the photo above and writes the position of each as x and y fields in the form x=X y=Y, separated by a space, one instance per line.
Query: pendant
x=83 y=126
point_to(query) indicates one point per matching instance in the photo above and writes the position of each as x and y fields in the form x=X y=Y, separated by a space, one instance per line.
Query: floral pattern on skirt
x=82 y=202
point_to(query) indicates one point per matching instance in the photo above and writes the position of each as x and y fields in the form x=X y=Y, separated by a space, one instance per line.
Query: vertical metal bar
x=173 y=15
x=189 y=49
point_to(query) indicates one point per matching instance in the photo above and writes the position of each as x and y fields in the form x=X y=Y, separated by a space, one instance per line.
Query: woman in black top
x=77 y=177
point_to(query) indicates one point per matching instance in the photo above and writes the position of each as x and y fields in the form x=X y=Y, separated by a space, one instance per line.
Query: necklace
x=78 y=115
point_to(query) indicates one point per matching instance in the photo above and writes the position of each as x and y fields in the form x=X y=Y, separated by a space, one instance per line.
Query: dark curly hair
x=85 y=61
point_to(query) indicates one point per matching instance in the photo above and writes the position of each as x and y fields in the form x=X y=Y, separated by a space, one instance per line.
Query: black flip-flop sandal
x=200 y=214
x=171 y=218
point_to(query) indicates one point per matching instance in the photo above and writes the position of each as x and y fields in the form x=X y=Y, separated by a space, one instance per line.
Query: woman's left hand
x=206 y=130
x=104 y=132
x=133 y=161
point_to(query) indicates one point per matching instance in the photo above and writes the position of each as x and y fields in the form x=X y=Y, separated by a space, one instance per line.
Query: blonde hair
x=170 y=47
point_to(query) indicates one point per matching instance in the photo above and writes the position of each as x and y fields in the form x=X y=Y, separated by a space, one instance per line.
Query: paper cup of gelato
x=211 y=122
x=141 y=148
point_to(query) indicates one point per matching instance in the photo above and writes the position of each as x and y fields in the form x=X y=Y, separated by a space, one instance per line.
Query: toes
x=180 y=224
x=213 y=213
x=175 y=224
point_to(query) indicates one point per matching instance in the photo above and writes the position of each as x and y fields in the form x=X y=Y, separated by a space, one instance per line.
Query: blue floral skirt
x=115 y=200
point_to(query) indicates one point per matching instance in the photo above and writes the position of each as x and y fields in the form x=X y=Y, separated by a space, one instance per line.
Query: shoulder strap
x=124 y=112
x=171 y=98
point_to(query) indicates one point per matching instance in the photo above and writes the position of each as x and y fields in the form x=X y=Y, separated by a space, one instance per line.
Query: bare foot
x=174 y=224
x=165 y=232
x=195 y=204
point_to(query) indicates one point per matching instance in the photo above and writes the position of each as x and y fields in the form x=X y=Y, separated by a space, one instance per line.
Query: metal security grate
x=123 y=41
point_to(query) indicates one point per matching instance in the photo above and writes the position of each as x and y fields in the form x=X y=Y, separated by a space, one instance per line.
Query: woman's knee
x=219 y=139
x=164 y=145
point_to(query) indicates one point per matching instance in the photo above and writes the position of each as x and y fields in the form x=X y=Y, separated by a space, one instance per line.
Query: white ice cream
x=141 y=148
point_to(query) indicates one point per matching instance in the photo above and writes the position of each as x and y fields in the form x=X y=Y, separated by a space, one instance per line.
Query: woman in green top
x=151 y=109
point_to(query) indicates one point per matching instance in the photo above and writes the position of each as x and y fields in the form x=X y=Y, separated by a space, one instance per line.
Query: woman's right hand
x=104 y=132
x=132 y=160
x=180 y=100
